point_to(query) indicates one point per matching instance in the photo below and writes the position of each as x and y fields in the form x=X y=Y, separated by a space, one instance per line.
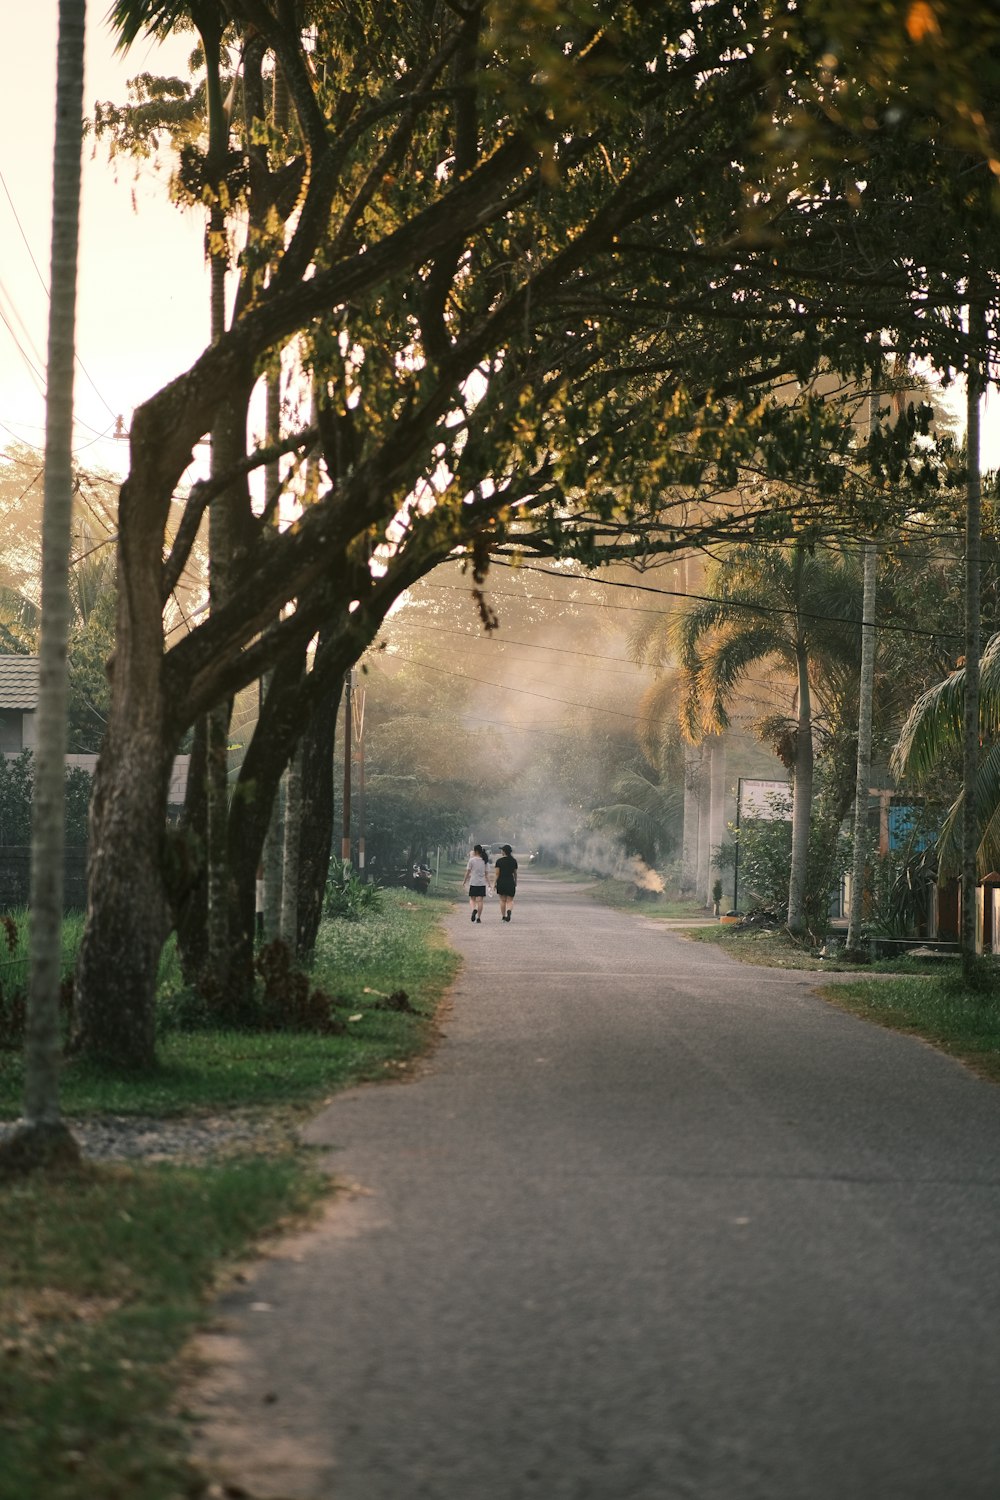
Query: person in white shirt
x=476 y=876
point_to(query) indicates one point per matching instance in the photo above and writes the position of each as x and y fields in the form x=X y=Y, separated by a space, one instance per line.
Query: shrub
x=14 y=978
x=347 y=896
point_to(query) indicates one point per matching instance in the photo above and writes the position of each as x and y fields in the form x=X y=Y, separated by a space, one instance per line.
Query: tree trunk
x=251 y=825
x=970 y=720
x=274 y=844
x=316 y=839
x=186 y=873
x=127 y=911
x=290 y=863
x=41 y=1097
x=863 y=780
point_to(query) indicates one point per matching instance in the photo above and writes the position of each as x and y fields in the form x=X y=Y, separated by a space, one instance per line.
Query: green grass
x=963 y=1023
x=107 y=1271
x=105 y=1275
x=358 y=962
x=621 y=895
x=775 y=949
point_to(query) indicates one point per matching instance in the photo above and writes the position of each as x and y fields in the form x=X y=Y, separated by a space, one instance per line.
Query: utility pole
x=345 y=842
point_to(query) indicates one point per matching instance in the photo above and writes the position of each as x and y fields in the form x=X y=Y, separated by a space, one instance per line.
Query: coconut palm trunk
x=864 y=759
x=970 y=721
x=801 y=796
x=41 y=1099
x=803 y=773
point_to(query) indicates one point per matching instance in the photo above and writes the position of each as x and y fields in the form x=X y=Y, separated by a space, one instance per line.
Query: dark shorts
x=477 y=890
x=506 y=890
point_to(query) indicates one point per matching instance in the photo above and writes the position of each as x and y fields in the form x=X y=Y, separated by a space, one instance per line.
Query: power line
x=504 y=687
x=645 y=588
x=531 y=645
x=45 y=289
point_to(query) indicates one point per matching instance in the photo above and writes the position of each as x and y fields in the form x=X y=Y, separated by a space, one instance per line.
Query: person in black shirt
x=505 y=882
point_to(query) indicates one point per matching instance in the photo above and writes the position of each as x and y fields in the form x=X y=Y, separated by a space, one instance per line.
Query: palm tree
x=45 y=1135
x=646 y=814
x=798 y=607
x=932 y=739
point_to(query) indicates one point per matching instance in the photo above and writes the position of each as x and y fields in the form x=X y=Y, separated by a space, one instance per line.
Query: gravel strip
x=195 y=1138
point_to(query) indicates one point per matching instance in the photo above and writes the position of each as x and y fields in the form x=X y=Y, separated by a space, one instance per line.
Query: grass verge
x=623 y=895
x=924 y=998
x=775 y=949
x=963 y=1023
x=105 y=1276
x=107 y=1270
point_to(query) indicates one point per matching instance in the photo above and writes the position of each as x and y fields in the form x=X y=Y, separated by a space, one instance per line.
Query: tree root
x=39 y=1148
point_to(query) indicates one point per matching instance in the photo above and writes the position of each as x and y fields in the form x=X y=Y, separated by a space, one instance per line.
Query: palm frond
x=650 y=643
x=949 y=845
x=726 y=662
x=660 y=709
x=934 y=723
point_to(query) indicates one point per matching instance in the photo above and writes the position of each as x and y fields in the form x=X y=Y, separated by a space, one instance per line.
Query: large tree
x=533 y=275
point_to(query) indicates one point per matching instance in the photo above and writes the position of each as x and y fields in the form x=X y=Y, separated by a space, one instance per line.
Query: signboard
x=766 y=801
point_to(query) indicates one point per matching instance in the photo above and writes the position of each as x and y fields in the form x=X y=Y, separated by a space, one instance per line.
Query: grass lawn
x=775 y=949
x=623 y=896
x=107 y=1271
x=924 y=998
x=963 y=1023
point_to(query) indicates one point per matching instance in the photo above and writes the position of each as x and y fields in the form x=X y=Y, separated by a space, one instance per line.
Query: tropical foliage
x=932 y=737
x=799 y=608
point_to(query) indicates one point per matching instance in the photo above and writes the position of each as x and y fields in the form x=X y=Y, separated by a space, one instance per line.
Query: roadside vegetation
x=625 y=895
x=107 y=1268
x=924 y=997
x=775 y=948
x=939 y=1009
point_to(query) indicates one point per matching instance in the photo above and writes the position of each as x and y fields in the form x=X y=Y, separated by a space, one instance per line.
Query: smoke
x=591 y=852
x=645 y=878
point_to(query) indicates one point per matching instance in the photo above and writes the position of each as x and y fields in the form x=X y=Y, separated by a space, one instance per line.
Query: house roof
x=19 y=682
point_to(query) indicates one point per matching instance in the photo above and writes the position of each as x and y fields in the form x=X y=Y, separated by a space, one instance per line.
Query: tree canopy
x=555 y=281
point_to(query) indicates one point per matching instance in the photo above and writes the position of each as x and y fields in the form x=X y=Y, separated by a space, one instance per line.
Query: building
x=18 y=703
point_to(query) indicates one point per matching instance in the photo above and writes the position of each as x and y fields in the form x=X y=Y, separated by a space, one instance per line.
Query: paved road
x=650 y=1225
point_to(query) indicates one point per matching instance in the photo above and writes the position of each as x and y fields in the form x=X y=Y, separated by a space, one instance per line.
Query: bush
x=17 y=790
x=14 y=977
x=765 y=856
x=347 y=895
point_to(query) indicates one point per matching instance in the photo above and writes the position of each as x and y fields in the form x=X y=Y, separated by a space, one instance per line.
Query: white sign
x=767 y=801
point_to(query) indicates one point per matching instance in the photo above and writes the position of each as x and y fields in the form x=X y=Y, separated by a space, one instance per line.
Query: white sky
x=142 y=306
x=142 y=313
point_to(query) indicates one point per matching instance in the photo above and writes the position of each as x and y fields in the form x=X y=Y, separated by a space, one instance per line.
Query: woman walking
x=475 y=879
x=505 y=882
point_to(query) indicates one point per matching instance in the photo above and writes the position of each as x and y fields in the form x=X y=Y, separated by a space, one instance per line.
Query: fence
x=15 y=877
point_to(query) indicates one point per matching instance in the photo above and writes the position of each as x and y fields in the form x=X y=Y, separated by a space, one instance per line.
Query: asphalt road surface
x=649 y=1225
